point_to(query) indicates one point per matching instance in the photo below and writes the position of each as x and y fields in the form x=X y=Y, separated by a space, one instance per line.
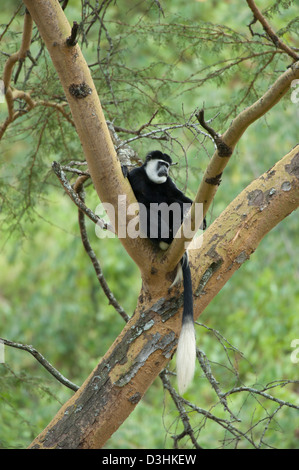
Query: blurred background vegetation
x=146 y=57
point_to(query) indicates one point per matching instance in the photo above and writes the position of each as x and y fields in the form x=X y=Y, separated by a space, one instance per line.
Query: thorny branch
x=263 y=393
x=206 y=367
x=162 y=132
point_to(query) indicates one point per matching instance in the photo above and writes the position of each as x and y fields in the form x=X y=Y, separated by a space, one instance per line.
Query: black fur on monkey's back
x=148 y=192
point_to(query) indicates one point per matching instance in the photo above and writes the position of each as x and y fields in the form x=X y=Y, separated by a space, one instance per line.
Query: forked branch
x=258 y=16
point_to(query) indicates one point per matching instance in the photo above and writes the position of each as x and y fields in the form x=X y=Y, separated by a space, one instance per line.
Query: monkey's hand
x=125 y=170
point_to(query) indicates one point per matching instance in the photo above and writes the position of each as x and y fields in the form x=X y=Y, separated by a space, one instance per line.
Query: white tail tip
x=186 y=355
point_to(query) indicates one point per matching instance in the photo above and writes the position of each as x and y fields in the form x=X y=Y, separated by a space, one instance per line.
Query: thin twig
x=148 y=123
x=262 y=393
x=20 y=55
x=226 y=424
x=270 y=31
x=163 y=130
x=177 y=399
x=223 y=149
x=93 y=258
x=205 y=365
x=269 y=420
x=76 y=199
x=10 y=21
x=40 y=358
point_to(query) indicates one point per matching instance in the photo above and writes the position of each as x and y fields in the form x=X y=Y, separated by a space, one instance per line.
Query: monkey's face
x=157 y=171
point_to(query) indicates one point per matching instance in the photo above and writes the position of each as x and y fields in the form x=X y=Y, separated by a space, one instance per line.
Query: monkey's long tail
x=186 y=350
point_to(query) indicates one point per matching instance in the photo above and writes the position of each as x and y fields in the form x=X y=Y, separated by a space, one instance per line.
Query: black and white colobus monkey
x=152 y=187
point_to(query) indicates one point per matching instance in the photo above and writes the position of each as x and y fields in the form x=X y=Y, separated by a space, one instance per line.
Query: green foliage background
x=49 y=295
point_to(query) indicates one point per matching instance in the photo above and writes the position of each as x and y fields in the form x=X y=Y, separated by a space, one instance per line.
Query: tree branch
x=11 y=96
x=205 y=365
x=20 y=55
x=177 y=399
x=40 y=358
x=270 y=31
x=77 y=200
x=22 y=52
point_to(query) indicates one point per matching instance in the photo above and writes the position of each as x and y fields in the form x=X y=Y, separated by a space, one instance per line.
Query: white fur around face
x=151 y=169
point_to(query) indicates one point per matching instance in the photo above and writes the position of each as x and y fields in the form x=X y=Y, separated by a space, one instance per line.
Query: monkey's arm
x=125 y=171
x=179 y=196
x=136 y=180
x=176 y=194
